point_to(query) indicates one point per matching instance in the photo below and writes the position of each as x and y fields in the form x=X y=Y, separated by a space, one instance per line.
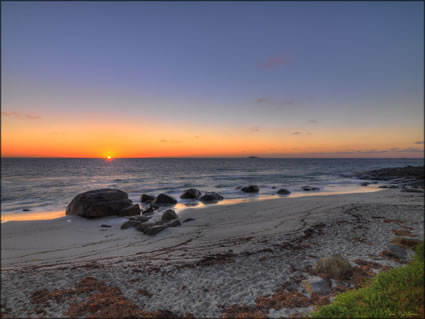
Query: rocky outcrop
x=283 y=191
x=169 y=215
x=164 y=199
x=310 y=188
x=145 y=198
x=99 y=203
x=211 y=197
x=150 y=231
x=335 y=266
x=250 y=189
x=191 y=193
x=133 y=210
x=141 y=218
x=174 y=223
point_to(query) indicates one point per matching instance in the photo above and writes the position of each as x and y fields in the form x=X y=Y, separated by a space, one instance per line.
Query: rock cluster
x=308 y=188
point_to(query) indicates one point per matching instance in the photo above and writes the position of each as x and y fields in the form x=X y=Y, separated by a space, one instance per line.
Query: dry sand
x=229 y=255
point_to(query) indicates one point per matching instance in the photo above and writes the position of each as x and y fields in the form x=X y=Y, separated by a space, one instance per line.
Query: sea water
x=30 y=185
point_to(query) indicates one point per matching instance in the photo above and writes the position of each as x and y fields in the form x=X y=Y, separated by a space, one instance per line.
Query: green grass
x=396 y=293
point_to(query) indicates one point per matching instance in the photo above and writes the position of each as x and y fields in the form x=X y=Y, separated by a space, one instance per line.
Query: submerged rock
x=130 y=211
x=250 y=189
x=169 y=215
x=283 y=191
x=335 y=266
x=188 y=220
x=191 y=193
x=105 y=225
x=364 y=184
x=211 y=197
x=310 y=188
x=145 y=198
x=165 y=200
x=99 y=203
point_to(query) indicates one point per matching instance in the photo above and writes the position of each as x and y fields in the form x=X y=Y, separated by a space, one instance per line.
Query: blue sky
x=258 y=66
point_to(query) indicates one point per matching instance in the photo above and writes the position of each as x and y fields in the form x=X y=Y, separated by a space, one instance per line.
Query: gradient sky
x=277 y=79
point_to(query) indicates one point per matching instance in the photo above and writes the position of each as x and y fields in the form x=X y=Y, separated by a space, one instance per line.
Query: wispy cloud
x=419 y=142
x=313 y=121
x=255 y=129
x=296 y=133
x=21 y=115
x=273 y=61
x=163 y=140
x=264 y=100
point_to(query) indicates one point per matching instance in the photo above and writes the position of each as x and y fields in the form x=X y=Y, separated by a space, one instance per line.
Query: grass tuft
x=396 y=293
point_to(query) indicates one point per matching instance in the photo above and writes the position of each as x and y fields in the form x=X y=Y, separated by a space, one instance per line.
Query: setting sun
x=109 y=157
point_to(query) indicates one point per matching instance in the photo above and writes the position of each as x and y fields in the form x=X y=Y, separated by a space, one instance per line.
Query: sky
x=212 y=79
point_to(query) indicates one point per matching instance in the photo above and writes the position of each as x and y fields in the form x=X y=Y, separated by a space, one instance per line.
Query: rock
x=169 y=215
x=211 y=197
x=188 y=220
x=250 y=189
x=336 y=266
x=150 y=209
x=283 y=191
x=143 y=227
x=388 y=186
x=396 y=251
x=105 y=225
x=174 y=223
x=165 y=200
x=364 y=184
x=141 y=219
x=145 y=198
x=316 y=285
x=274 y=187
x=309 y=188
x=98 y=203
x=130 y=223
x=155 y=229
x=191 y=193
x=130 y=211
x=26 y=210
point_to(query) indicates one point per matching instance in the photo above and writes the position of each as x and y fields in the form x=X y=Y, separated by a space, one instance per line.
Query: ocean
x=30 y=185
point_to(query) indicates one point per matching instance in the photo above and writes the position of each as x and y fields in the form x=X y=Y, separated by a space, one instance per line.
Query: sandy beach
x=224 y=262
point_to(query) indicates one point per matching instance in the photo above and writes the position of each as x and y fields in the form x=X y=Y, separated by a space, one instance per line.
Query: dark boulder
x=105 y=225
x=250 y=189
x=133 y=210
x=191 y=193
x=283 y=191
x=99 y=203
x=145 y=198
x=165 y=199
x=211 y=197
x=188 y=220
x=364 y=184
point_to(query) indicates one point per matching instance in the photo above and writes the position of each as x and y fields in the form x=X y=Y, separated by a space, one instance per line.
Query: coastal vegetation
x=396 y=293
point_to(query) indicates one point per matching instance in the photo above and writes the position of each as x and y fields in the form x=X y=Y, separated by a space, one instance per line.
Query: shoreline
x=182 y=206
x=229 y=255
